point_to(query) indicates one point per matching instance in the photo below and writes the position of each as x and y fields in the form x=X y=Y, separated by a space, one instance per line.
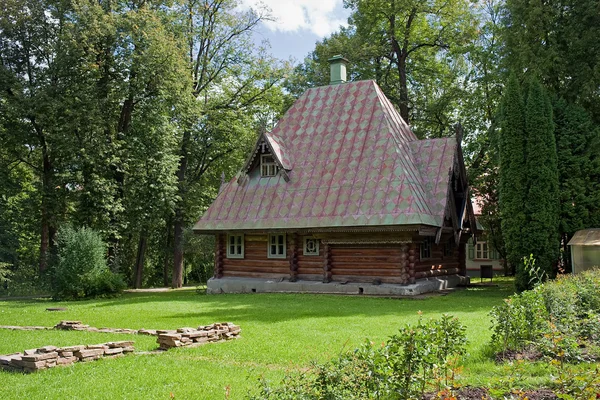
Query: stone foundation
x=255 y=285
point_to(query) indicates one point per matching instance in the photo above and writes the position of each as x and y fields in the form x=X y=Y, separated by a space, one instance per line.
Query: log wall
x=438 y=264
x=386 y=263
x=368 y=263
x=255 y=263
x=310 y=268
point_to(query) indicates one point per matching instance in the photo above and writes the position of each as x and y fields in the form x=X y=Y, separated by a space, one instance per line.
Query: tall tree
x=414 y=36
x=540 y=234
x=512 y=172
x=578 y=147
x=29 y=42
x=557 y=41
x=231 y=81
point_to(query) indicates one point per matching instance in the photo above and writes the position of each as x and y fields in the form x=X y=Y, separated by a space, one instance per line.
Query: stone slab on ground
x=40 y=356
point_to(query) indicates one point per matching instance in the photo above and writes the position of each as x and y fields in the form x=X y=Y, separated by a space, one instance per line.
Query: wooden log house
x=342 y=191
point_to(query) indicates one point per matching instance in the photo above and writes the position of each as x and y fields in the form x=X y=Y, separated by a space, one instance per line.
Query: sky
x=298 y=24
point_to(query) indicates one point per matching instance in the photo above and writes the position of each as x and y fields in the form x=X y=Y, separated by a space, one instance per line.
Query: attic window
x=268 y=167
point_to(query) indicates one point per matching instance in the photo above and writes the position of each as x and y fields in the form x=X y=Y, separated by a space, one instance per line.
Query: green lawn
x=279 y=332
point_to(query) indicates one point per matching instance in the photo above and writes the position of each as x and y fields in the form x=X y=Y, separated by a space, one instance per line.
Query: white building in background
x=482 y=256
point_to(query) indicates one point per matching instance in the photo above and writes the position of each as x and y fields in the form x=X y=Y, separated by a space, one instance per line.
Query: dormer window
x=268 y=166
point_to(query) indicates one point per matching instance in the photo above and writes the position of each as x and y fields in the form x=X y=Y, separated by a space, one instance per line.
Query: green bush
x=560 y=318
x=419 y=358
x=81 y=270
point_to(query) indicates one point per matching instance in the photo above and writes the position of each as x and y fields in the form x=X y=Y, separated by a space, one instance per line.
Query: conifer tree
x=540 y=235
x=578 y=148
x=512 y=166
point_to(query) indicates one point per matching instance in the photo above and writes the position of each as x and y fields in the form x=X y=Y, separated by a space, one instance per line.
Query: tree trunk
x=179 y=222
x=167 y=258
x=48 y=230
x=403 y=87
x=178 y=250
x=139 y=262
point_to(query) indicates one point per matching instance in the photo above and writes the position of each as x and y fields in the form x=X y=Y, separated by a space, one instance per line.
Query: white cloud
x=321 y=17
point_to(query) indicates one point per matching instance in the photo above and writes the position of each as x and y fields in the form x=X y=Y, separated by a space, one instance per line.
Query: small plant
x=537 y=275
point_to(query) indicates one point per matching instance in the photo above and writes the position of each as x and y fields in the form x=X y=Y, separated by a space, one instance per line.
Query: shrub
x=418 y=358
x=81 y=269
x=560 y=318
x=4 y=273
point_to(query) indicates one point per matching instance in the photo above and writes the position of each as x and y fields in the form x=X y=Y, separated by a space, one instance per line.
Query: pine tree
x=512 y=166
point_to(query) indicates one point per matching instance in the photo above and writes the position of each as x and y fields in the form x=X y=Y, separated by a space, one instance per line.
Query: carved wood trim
x=404 y=264
x=219 y=254
x=413 y=258
x=365 y=241
x=293 y=240
x=327 y=275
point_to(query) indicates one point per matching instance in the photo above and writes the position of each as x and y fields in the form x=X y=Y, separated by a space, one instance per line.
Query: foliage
x=578 y=148
x=5 y=273
x=413 y=50
x=540 y=234
x=559 y=318
x=81 y=270
x=528 y=180
x=555 y=41
x=106 y=122
x=512 y=172
x=418 y=358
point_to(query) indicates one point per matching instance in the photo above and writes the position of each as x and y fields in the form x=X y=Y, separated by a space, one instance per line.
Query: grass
x=280 y=332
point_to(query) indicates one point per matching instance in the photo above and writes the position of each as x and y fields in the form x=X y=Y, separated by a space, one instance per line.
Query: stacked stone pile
x=168 y=339
x=50 y=356
x=71 y=326
x=78 y=326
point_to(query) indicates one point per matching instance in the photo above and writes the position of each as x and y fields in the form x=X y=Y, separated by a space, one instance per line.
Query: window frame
x=480 y=253
x=449 y=248
x=425 y=245
x=269 y=166
x=317 y=247
x=269 y=244
x=236 y=244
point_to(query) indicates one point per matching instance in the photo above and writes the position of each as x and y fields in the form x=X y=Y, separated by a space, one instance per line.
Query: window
x=426 y=248
x=311 y=247
x=449 y=248
x=277 y=245
x=481 y=251
x=268 y=167
x=235 y=246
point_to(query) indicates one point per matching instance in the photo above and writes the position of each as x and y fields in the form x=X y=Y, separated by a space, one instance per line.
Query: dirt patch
x=465 y=393
x=540 y=394
x=479 y=393
x=529 y=354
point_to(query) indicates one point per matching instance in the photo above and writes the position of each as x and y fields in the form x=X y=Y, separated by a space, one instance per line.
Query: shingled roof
x=350 y=160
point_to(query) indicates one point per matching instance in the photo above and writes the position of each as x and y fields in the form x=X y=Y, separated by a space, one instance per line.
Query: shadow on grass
x=280 y=307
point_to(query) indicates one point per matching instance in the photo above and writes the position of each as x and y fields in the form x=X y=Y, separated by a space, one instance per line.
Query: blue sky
x=298 y=24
